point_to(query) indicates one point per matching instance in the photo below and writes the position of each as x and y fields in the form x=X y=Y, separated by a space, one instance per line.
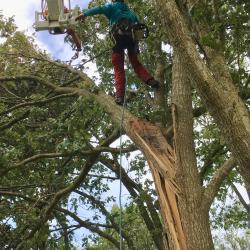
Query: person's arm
x=104 y=10
x=137 y=19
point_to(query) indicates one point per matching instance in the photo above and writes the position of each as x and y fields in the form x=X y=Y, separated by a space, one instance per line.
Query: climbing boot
x=119 y=100
x=153 y=83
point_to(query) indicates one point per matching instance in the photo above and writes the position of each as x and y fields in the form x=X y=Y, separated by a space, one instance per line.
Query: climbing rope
x=120 y=167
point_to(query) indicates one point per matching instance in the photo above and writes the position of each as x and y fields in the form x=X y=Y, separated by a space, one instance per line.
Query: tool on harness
x=136 y=31
x=140 y=31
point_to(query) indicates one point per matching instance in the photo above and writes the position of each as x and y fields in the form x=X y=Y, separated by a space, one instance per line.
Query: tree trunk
x=221 y=98
x=194 y=217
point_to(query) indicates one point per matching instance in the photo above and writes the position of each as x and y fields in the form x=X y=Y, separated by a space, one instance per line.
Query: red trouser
x=118 y=63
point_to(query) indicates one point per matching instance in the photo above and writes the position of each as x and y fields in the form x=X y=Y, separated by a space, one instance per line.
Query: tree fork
x=160 y=156
x=222 y=99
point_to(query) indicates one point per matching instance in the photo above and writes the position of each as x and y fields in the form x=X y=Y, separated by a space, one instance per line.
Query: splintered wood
x=157 y=151
x=161 y=159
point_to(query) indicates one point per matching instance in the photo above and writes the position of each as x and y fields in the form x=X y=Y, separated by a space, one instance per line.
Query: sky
x=24 y=15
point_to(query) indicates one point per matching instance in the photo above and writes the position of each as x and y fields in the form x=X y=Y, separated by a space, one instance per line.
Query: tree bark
x=221 y=98
x=195 y=218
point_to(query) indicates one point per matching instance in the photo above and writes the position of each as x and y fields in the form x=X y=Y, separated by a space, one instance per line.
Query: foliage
x=232 y=240
x=132 y=224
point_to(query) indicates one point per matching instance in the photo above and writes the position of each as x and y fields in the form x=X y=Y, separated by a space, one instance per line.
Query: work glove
x=80 y=18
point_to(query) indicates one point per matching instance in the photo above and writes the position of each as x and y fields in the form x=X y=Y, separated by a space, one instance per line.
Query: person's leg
x=141 y=71
x=118 y=64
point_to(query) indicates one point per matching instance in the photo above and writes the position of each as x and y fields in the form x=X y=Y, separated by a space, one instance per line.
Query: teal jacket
x=114 y=12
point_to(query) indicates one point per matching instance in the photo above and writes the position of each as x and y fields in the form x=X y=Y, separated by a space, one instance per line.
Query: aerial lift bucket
x=58 y=19
x=55 y=17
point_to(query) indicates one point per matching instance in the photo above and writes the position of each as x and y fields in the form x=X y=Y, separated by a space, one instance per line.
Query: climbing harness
x=58 y=19
x=137 y=32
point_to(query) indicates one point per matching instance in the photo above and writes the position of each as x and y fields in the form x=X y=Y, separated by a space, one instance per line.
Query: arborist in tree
x=121 y=21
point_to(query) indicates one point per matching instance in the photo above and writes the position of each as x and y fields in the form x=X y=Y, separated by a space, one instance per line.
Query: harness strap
x=123 y=27
x=137 y=31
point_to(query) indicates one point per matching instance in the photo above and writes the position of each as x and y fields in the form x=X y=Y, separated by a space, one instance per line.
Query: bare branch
x=21 y=187
x=243 y=202
x=10 y=93
x=63 y=228
x=130 y=148
x=32 y=159
x=102 y=177
x=214 y=185
x=92 y=227
x=66 y=154
x=104 y=211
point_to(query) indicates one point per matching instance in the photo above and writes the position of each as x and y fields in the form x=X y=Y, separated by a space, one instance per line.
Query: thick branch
x=17 y=187
x=214 y=185
x=32 y=159
x=66 y=154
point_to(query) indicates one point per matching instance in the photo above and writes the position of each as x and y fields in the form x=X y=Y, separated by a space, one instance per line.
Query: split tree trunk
x=161 y=158
x=162 y=161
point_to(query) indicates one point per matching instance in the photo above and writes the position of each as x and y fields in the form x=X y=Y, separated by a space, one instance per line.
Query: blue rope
x=120 y=168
